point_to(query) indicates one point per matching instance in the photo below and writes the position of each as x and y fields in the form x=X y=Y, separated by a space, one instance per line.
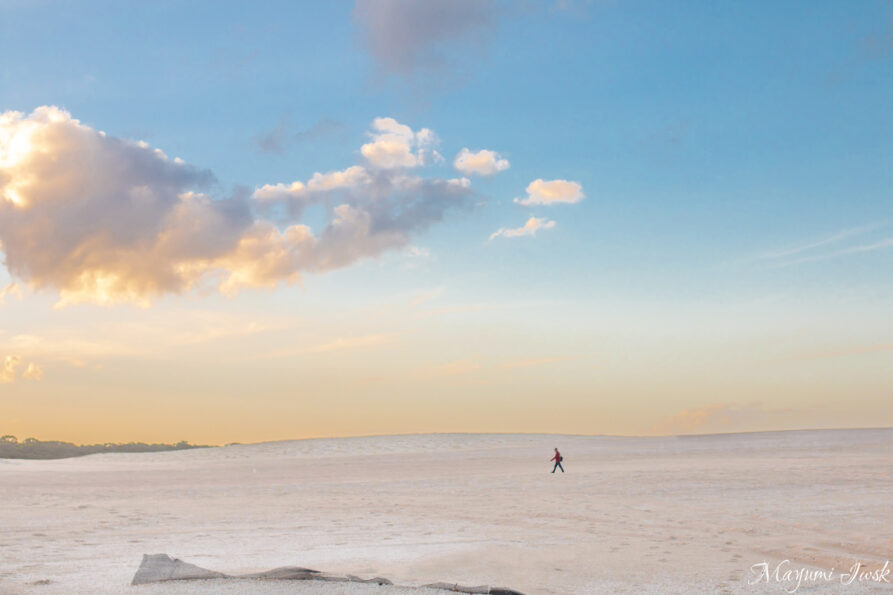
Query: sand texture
x=630 y=515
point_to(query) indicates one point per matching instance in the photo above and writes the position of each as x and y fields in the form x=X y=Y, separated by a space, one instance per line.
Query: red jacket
x=557 y=458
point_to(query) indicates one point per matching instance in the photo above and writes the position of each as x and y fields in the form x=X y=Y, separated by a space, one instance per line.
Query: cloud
x=274 y=141
x=426 y=297
x=450 y=310
x=337 y=345
x=832 y=239
x=12 y=288
x=861 y=350
x=463 y=367
x=530 y=228
x=106 y=220
x=372 y=211
x=417 y=252
x=8 y=372
x=813 y=251
x=482 y=163
x=859 y=249
x=396 y=145
x=406 y=37
x=32 y=372
x=158 y=333
x=541 y=192
x=93 y=215
x=541 y=361
x=278 y=139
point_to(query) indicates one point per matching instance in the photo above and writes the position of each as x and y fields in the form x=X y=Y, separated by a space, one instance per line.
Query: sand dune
x=631 y=515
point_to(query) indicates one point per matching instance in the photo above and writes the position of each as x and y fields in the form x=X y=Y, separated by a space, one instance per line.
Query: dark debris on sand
x=162 y=567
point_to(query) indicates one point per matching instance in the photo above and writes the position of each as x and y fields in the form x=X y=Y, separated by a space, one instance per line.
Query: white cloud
x=106 y=220
x=274 y=192
x=352 y=176
x=8 y=372
x=541 y=192
x=482 y=163
x=530 y=228
x=396 y=145
x=32 y=372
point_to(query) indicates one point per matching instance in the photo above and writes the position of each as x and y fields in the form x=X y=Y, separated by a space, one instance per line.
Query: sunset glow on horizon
x=582 y=218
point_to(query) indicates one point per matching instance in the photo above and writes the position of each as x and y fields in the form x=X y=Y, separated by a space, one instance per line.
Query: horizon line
x=457 y=433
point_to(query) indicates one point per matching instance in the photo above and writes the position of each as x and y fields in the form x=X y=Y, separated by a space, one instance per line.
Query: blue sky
x=735 y=159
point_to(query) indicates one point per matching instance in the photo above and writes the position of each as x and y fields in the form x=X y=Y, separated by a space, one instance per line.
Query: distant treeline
x=31 y=448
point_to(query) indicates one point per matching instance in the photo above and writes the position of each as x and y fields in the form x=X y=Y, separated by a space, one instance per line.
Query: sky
x=235 y=222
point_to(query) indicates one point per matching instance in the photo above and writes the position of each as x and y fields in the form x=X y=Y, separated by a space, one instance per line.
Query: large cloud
x=408 y=36
x=107 y=220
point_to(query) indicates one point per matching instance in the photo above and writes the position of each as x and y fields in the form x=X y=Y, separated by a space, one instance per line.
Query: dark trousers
x=557 y=466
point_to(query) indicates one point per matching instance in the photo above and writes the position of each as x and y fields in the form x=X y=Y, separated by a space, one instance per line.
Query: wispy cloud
x=461 y=367
x=428 y=296
x=335 y=345
x=279 y=138
x=10 y=289
x=533 y=225
x=852 y=351
x=860 y=249
x=449 y=310
x=540 y=361
x=32 y=372
x=150 y=336
x=723 y=417
x=832 y=239
x=823 y=249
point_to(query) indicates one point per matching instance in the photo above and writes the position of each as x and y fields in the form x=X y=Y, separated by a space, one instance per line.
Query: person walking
x=557 y=458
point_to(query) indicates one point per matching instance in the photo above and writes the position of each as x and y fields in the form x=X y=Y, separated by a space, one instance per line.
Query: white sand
x=631 y=515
